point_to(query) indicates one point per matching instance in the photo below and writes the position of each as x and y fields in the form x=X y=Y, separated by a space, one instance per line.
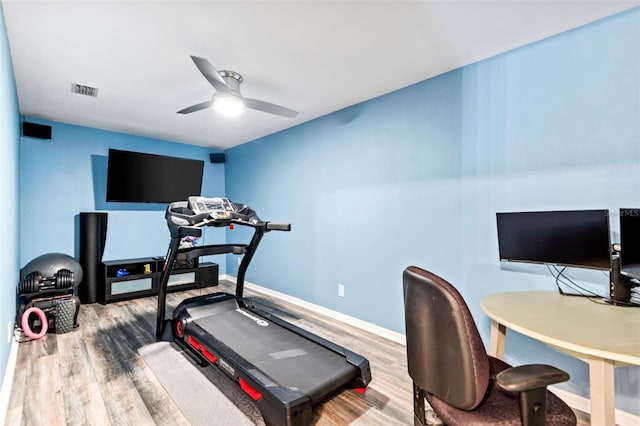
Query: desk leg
x=497 y=340
x=602 y=391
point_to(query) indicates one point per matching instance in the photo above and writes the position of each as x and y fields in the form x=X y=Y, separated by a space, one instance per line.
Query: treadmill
x=282 y=367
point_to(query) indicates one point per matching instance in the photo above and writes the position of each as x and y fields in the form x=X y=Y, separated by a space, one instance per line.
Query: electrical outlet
x=341 y=290
x=9 y=331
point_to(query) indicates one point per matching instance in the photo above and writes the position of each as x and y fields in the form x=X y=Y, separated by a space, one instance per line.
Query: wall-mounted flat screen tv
x=579 y=238
x=136 y=177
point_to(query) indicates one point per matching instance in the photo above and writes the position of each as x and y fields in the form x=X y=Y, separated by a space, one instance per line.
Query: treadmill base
x=201 y=324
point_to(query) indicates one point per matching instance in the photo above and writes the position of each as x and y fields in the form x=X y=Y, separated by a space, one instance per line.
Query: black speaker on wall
x=217 y=157
x=93 y=237
x=33 y=130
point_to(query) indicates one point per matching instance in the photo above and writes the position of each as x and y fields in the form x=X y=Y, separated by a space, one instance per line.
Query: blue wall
x=61 y=177
x=9 y=220
x=416 y=177
x=359 y=187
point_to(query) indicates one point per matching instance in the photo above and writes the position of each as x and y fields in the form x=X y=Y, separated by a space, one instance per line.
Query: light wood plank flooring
x=95 y=376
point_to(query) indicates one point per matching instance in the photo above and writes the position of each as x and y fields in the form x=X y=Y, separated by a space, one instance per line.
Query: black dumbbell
x=34 y=282
x=64 y=278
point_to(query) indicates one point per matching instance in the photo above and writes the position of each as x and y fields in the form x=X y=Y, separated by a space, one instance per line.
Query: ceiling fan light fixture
x=228 y=104
x=227 y=99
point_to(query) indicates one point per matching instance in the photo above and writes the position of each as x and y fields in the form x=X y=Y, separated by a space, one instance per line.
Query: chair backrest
x=445 y=354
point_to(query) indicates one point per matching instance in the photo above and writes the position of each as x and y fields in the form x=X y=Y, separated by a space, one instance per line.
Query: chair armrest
x=528 y=377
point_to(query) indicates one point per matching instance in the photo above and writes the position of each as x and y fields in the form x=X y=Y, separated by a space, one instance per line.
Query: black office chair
x=450 y=367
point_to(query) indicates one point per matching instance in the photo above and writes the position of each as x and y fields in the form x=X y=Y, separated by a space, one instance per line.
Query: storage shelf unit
x=131 y=278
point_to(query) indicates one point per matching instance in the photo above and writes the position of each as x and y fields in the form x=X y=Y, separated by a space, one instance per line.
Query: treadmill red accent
x=284 y=368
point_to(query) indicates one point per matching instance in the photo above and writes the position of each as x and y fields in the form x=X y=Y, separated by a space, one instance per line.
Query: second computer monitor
x=630 y=242
x=579 y=238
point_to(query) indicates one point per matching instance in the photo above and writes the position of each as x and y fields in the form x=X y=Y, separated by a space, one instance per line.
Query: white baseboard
x=5 y=392
x=573 y=400
x=581 y=403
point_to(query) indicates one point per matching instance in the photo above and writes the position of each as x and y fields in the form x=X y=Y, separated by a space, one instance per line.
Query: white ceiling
x=312 y=56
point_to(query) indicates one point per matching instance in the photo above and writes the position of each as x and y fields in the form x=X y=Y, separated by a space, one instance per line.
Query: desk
x=604 y=336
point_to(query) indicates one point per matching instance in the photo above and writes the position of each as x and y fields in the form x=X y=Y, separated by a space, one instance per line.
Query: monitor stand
x=619 y=285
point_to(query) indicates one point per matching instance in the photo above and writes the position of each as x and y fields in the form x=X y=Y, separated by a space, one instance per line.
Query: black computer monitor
x=630 y=242
x=577 y=238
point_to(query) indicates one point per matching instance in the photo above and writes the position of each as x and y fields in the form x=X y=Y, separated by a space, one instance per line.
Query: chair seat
x=501 y=408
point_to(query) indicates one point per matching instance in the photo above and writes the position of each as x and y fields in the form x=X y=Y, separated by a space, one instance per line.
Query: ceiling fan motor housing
x=233 y=80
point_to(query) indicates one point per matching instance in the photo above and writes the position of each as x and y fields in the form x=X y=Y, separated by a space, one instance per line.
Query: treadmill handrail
x=193 y=252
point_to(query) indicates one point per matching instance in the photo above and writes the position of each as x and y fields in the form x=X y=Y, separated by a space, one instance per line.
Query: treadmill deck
x=288 y=359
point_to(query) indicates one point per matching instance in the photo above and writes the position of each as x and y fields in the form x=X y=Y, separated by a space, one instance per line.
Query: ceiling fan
x=227 y=98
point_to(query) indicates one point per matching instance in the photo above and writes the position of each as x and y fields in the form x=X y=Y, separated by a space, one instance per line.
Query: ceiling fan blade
x=196 y=107
x=210 y=73
x=269 y=107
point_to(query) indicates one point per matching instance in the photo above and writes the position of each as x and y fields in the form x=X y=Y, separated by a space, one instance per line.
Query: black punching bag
x=93 y=236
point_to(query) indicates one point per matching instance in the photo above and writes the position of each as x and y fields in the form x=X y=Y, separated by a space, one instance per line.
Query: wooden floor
x=95 y=376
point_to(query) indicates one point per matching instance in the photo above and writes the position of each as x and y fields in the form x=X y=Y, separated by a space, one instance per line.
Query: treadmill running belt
x=287 y=358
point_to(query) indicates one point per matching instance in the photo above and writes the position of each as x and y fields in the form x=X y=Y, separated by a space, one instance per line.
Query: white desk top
x=571 y=323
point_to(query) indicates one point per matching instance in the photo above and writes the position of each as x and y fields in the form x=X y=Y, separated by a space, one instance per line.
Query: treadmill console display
x=218 y=208
x=198 y=212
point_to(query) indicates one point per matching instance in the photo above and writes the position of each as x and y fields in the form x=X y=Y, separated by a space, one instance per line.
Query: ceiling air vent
x=81 y=89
